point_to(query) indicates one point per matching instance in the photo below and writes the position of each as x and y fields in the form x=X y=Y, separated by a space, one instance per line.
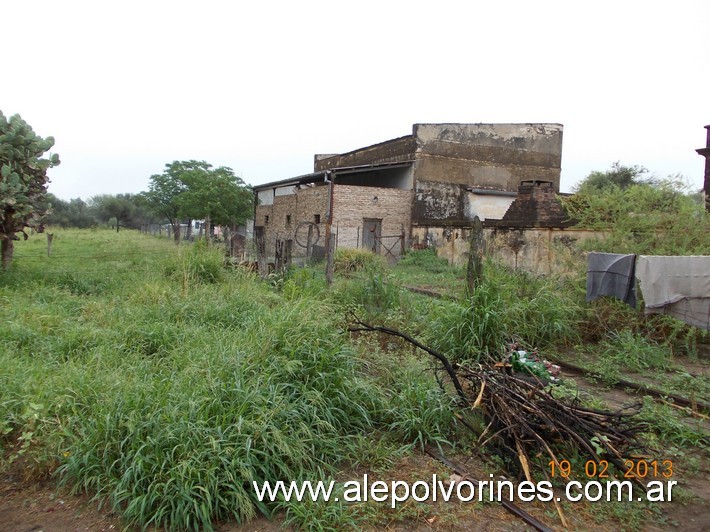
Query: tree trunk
x=188 y=236
x=7 y=248
x=208 y=229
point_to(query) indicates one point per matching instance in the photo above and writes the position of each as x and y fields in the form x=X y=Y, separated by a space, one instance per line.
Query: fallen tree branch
x=525 y=419
x=441 y=358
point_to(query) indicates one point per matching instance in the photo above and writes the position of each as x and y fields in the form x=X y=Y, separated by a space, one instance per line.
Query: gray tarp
x=679 y=286
x=611 y=274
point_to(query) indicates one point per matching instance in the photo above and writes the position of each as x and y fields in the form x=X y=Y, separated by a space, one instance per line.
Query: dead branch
x=525 y=419
x=441 y=358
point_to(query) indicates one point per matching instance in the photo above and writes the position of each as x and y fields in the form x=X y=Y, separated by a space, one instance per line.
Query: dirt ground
x=27 y=506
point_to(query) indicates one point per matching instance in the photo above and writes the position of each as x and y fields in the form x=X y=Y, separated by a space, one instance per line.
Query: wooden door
x=371 y=233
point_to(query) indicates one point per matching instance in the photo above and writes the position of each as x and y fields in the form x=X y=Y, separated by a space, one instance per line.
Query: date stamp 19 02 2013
x=640 y=469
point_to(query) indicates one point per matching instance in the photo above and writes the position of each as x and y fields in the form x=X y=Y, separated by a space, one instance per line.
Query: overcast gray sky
x=125 y=87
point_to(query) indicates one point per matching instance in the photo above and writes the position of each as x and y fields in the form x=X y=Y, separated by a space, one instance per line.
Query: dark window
x=266 y=219
x=316 y=218
x=288 y=219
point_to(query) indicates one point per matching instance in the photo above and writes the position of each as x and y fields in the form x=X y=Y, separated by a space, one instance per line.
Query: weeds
x=665 y=428
x=165 y=393
x=356 y=260
x=426 y=259
x=196 y=264
x=162 y=384
x=506 y=304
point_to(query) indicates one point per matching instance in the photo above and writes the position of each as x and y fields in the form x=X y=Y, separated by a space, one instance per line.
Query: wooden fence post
x=329 y=263
x=50 y=236
x=260 y=239
x=402 y=236
x=309 y=242
x=278 y=256
x=288 y=252
x=474 y=272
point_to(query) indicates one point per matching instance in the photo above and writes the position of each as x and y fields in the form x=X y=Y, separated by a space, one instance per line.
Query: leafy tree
x=23 y=181
x=73 y=213
x=195 y=190
x=120 y=207
x=216 y=196
x=164 y=191
x=619 y=175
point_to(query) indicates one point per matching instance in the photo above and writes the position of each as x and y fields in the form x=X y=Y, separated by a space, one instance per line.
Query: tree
x=619 y=175
x=120 y=207
x=193 y=189
x=23 y=181
x=164 y=191
x=216 y=196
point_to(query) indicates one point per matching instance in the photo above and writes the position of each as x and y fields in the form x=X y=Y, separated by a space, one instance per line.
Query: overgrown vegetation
x=355 y=260
x=167 y=399
x=161 y=383
x=508 y=305
x=641 y=214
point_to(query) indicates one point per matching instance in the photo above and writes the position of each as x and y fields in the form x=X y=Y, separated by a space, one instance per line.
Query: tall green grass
x=165 y=388
x=507 y=305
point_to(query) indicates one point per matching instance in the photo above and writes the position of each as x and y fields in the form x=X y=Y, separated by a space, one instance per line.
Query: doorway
x=371 y=233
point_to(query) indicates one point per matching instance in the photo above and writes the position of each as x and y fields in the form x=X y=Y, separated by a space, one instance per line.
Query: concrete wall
x=351 y=204
x=452 y=158
x=539 y=250
x=391 y=151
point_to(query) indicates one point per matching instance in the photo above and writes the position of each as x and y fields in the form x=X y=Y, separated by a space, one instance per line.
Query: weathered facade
x=398 y=193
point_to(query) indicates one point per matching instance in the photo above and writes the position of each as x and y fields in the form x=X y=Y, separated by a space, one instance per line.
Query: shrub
x=354 y=260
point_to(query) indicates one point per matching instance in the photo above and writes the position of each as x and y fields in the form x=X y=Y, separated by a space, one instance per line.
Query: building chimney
x=537 y=205
x=705 y=152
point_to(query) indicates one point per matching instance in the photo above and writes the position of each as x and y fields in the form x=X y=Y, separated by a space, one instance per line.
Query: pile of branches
x=525 y=419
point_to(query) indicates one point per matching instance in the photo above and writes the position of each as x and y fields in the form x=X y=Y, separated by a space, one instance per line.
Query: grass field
x=161 y=383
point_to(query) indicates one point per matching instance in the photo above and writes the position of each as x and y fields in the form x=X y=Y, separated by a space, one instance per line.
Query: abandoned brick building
x=416 y=190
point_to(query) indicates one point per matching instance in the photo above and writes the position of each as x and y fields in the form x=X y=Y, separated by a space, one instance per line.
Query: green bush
x=354 y=260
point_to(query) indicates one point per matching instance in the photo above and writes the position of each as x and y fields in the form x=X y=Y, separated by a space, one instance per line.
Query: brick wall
x=351 y=204
x=302 y=206
x=537 y=205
